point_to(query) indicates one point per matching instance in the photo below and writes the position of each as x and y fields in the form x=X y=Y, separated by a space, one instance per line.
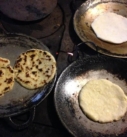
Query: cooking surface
x=61 y=40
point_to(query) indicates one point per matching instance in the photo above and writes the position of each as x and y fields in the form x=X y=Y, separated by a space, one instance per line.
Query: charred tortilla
x=35 y=68
x=6 y=76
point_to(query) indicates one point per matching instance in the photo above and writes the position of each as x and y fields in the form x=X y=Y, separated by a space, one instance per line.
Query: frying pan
x=20 y=99
x=67 y=89
x=86 y=14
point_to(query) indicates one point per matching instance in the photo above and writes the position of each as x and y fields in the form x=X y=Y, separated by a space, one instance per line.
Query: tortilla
x=35 y=68
x=103 y=101
x=110 y=27
x=6 y=76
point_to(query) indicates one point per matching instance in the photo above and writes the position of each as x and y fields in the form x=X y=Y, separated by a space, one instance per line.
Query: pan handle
x=82 y=50
x=22 y=125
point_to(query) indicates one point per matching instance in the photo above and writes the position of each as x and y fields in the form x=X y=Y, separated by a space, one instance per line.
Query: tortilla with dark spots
x=35 y=68
x=6 y=76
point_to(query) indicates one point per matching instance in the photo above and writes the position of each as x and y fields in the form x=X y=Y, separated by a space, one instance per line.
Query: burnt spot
x=25 y=58
x=44 y=53
x=53 y=66
x=27 y=82
x=45 y=82
x=34 y=79
x=87 y=24
x=33 y=63
x=116 y=10
x=47 y=71
x=23 y=80
x=27 y=75
x=40 y=70
x=40 y=51
x=49 y=59
x=48 y=76
x=37 y=66
x=3 y=60
x=11 y=70
x=19 y=71
x=48 y=56
x=1 y=73
x=42 y=82
x=17 y=65
x=21 y=67
x=19 y=60
x=32 y=56
x=19 y=78
x=34 y=73
x=40 y=62
x=7 y=88
x=27 y=68
x=35 y=85
x=1 y=94
x=8 y=80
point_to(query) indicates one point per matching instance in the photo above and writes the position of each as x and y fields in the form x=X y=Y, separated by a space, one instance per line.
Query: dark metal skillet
x=86 y=14
x=69 y=85
x=27 y=10
x=20 y=99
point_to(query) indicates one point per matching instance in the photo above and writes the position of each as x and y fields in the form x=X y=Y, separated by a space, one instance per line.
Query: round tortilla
x=35 y=68
x=6 y=76
x=103 y=101
x=110 y=27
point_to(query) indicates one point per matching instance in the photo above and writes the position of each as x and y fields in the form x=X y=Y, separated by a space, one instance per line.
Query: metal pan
x=27 y=10
x=86 y=14
x=67 y=89
x=20 y=99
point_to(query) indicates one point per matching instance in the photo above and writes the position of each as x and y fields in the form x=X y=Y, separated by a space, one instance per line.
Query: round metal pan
x=67 y=89
x=27 y=10
x=86 y=14
x=20 y=99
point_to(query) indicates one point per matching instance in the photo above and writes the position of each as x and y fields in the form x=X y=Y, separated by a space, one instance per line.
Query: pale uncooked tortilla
x=103 y=101
x=110 y=27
